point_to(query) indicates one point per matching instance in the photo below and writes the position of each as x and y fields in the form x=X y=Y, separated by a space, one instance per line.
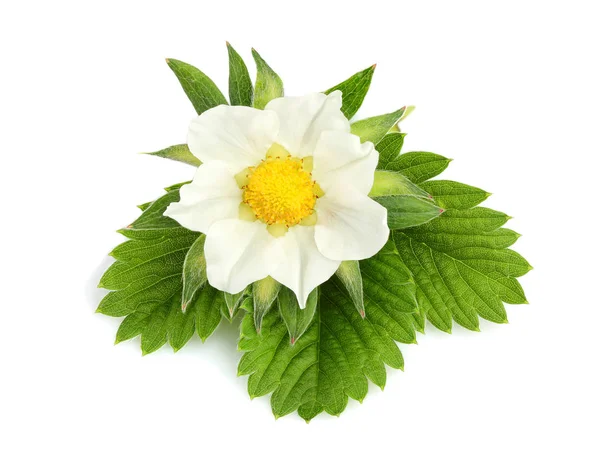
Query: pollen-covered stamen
x=279 y=191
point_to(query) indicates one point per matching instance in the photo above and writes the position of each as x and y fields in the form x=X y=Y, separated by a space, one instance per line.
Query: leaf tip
x=442 y=210
x=292 y=340
x=362 y=313
x=373 y=66
x=227 y=44
x=488 y=194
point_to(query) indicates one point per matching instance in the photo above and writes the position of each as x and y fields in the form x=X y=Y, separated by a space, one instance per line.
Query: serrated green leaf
x=147 y=283
x=462 y=267
x=389 y=148
x=349 y=275
x=331 y=362
x=208 y=311
x=387 y=279
x=264 y=293
x=152 y=217
x=296 y=319
x=194 y=271
x=386 y=183
x=419 y=166
x=179 y=153
x=200 y=89
x=406 y=211
x=453 y=195
x=354 y=90
x=375 y=128
x=241 y=90
x=268 y=84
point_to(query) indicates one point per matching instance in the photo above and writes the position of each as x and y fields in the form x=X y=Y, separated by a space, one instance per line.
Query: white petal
x=304 y=267
x=303 y=119
x=340 y=158
x=213 y=195
x=350 y=226
x=238 y=253
x=237 y=135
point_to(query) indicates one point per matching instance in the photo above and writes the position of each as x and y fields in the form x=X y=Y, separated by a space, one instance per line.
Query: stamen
x=279 y=191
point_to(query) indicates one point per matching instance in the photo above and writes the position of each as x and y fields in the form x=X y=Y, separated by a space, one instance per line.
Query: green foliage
x=418 y=166
x=268 y=84
x=200 y=89
x=146 y=283
x=375 y=128
x=332 y=361
x=179 y=153
x=389 y=148
x=354 y=90
x=441 y=268
x=241 y=91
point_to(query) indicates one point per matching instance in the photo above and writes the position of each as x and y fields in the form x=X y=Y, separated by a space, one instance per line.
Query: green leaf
x=387 y=183
x=179 y=153
x=390 y=293
x=199 y=88
x=332 y=361
x=152 y=217
x=389 y=148
x=194 y=271
x=406 y=211
x=349 y=275
x=241 y=90
x=419 y=166
x=375 y=128
x=268 y=84
x=264 y=293
x=208 y=311
x=453 y=195
x=463 y=268
x=296 y=319
x=146 y=283
x=354 y=90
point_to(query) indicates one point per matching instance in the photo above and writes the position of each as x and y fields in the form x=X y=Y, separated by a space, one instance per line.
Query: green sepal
x=268 y=84
x=354 y=91
x=406 y=211
x=179 y=153
x=194 y=272
x=375 y=128
x=386 y=183
x=264 y=293
x=232 y=303
x=350 y=276
x=241 y=91
x=200 y=89
x=296 y=319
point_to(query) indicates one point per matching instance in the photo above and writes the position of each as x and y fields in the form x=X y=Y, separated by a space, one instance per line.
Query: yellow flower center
x=280 y=191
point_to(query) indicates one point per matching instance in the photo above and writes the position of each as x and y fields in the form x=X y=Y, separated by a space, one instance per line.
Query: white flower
x=281 y=193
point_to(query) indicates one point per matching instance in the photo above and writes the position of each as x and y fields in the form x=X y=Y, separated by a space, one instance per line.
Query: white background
x=510 y=90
